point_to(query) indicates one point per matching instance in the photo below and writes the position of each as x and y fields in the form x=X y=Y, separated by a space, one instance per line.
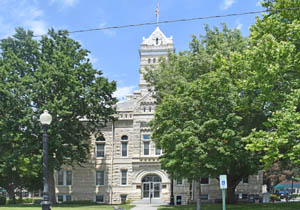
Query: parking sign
x=223 y=181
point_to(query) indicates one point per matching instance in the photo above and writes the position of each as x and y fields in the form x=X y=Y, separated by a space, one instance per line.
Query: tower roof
x=157 y=38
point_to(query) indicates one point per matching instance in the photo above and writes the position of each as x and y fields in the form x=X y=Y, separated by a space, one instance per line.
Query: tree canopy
x=229 y=104
x=51 y=73
x=199 y=121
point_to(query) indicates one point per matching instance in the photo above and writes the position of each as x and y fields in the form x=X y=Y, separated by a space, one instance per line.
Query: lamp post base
x=46 y=205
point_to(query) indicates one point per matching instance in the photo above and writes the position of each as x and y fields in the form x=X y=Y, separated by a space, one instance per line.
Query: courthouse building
x=124 y=162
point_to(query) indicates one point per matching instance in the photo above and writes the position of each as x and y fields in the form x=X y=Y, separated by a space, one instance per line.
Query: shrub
x=37 y=201
x=27 y=200
x=11 y=201
x=84 y=202
x=2 y=200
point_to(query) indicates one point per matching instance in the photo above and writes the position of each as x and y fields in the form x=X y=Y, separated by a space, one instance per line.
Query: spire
x=157 y=13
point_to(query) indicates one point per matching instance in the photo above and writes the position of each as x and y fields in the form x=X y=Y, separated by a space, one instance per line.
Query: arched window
x=154 y=60
x=124 y=138
x=149 y=60
x=151 y=178
x=156 y=40
x=101 y=138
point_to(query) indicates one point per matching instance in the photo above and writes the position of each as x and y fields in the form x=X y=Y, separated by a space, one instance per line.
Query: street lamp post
x=45 y=120
x=13 y=184
x=172 y=193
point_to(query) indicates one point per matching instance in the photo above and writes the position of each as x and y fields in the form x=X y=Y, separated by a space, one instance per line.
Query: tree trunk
x=199 y=195
x=52 y=195
x=230 y=195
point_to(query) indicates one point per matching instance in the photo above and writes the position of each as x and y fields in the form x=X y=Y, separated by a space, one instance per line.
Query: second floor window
x=146 y=148
x=100 y=178
x=100 y=149
x=204 y=180
x=123 y=177
x=69 y=177
x=64 y=177
x=157 y=151
x=124 y=149
x=60 y=177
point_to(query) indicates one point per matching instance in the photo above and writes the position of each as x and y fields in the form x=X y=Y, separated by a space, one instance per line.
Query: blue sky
x=115 y=52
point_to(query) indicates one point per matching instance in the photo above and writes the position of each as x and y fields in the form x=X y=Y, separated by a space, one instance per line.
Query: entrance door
x=151 y=186
x=156 y=190
x=146 y=190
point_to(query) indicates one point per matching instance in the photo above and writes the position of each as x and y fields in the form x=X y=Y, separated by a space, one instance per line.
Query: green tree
x=199 y=121
x=51 y=73
x=269 y=75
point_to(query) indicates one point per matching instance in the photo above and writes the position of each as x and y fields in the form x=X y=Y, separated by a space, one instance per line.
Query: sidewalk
x=144 y=204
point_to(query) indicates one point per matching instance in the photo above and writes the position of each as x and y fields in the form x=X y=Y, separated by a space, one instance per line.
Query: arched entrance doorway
x=151 y=186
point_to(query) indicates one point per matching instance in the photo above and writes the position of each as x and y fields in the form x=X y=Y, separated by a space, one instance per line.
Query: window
x=60 y=177
x=144 y=109
x=179 y=181
x=154 y=60
x=64 y=177
x=204 y=180
x=69 y=177
x=124 y=138
x=156 y=40
x=146 y=137
x=245 y=180
x=149 y=60
x=101 y=138
x=204 y=197
x=124 y=149
x=60 y=198
x=123 y=177
x=150 y=109
x=146 y=148
x=68 y=197
x=123 y=198
x=244 y=196
x=179 y=199
x=100 y=198
x=157 y=151
x=100 y=178
x=100 y=150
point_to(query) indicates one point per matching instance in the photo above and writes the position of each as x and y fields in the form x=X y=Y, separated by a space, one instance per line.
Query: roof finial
x=157 y=13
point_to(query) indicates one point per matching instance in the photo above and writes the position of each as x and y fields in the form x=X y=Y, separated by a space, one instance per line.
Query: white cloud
x=65 y=3
x=123 y=92
x=227 y=3
x=39 y=27
x=108 y=32
x=21 y=13
x=239 y=26
x=258 y=4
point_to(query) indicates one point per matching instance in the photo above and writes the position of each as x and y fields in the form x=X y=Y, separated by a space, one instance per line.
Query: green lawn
x=65 y=207
x=271 y=206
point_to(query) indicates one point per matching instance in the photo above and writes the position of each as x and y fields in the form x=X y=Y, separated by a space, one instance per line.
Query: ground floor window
x=123 y=198
x=204 y=197
x=62 y=198
x=100 y=198
x=179 y=200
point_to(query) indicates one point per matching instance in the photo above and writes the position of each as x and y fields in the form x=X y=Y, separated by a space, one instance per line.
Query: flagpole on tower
x=157 y=13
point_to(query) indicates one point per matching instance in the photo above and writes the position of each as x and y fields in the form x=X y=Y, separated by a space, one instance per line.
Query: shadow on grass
x=269 y=206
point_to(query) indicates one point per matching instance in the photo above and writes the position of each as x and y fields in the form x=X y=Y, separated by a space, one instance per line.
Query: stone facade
x=124 y=162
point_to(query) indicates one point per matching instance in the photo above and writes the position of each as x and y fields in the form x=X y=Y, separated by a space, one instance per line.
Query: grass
x=65 y=207
x=270 y=206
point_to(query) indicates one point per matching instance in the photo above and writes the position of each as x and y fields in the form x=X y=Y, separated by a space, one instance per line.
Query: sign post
x=223 y=186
